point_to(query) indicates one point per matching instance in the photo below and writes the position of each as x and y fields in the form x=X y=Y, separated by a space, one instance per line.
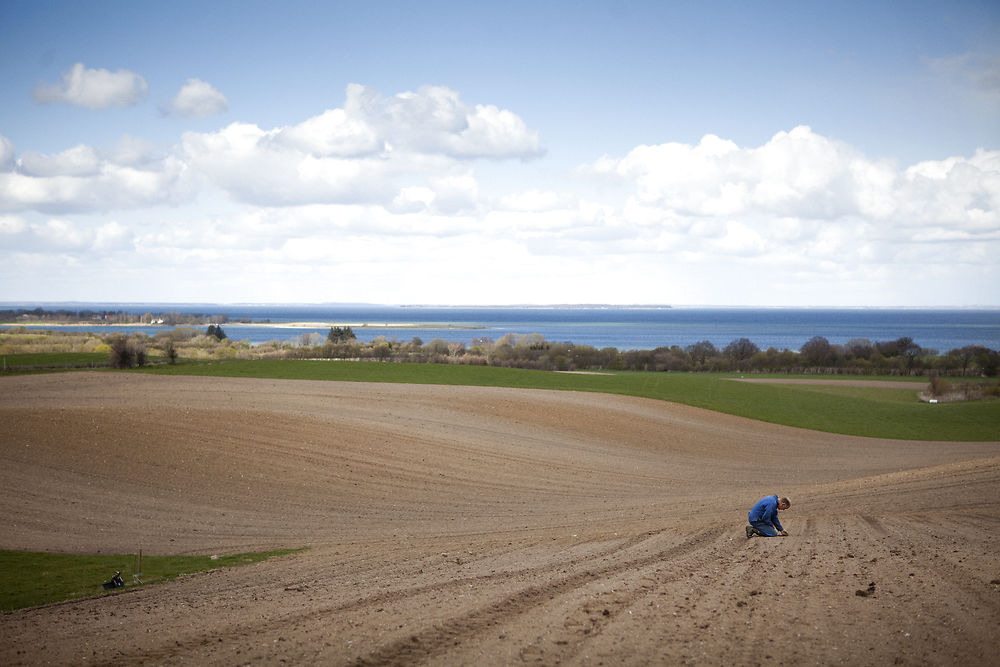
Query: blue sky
x=839 y=154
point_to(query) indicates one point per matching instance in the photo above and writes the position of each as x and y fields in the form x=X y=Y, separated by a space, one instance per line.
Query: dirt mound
x=454 y=525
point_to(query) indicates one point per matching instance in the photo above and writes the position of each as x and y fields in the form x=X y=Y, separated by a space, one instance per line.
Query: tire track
x=318 y=615
x=642 y=590
x=874 y=523
x=436 y=640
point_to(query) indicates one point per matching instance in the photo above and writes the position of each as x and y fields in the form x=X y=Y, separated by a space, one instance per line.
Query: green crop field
x=863 y=411
x=53 y=360
x=29 y=579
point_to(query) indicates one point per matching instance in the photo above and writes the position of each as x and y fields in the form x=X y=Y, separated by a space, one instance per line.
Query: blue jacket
x=766 y=510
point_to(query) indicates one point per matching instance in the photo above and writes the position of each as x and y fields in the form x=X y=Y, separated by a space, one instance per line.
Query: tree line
x=66 y=316
x=902 y=356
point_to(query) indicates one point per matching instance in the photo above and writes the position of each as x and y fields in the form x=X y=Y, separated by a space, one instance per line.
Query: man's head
x=784 y=503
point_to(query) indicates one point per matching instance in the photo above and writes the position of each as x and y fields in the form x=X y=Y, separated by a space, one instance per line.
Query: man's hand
x=784 y=533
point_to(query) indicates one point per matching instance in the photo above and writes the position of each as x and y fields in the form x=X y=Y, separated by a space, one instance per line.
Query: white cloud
x=804 y=176
x=77 y=161
x=61 y=235
x=64 y=237
x=432 y=121
x=133 y=151
x=335 y=132
x=374 y=149
x=94 y=88
x=197 y=99
x=80 y=180
x=12 y=226
x=112 y=236
x=253 y=165
x=534 y=200
x=493 y=133
x=802 y=212
x=962 y=193
x=796 y=172
x=455 y=194
x=412 y=199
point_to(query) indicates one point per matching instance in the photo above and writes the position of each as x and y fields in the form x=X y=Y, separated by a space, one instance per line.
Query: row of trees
x=859 y=356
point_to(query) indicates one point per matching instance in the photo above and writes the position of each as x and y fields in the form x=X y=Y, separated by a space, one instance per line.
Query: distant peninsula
x=551 y=306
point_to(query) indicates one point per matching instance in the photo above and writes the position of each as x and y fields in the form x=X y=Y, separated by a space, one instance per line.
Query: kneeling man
x=764 y=517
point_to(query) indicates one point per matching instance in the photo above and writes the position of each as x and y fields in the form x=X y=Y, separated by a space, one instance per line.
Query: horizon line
x=622 y=306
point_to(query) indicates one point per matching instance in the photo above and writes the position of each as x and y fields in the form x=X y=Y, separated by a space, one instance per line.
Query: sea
x=625 y=328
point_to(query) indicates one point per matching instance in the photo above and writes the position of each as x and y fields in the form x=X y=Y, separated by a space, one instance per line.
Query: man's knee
x=764 y=530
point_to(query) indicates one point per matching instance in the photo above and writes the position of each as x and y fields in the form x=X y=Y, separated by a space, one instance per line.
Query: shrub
x=939 y=386
x=127 y=352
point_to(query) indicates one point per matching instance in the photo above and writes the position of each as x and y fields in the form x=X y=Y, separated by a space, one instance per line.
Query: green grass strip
x=862 y=411
x=29 y=579
x=53 y=359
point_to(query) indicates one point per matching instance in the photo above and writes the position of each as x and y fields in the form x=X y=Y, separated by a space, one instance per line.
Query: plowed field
x=456 y=526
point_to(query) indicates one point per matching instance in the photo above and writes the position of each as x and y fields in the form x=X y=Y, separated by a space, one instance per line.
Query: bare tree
x=817 y=351
x=740 y=350
x=701 y=352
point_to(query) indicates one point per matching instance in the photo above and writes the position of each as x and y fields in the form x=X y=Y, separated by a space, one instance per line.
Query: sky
x=729 y=153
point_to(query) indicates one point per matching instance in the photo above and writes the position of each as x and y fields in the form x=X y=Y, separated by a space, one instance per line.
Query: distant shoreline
x=353 y=325
x=546 y=306
x=273 y=325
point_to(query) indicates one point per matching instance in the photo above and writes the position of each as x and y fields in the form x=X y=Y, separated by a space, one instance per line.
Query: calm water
x=623 y=328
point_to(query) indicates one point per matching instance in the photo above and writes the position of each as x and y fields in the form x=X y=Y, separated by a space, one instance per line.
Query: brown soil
x=456 y=525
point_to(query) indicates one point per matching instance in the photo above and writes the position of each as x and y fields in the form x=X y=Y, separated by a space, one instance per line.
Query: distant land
x=560 y=306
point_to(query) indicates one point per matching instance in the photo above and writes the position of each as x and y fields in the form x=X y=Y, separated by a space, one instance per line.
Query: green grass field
x=863 y=411
x=54 y=360
x=29 y=579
